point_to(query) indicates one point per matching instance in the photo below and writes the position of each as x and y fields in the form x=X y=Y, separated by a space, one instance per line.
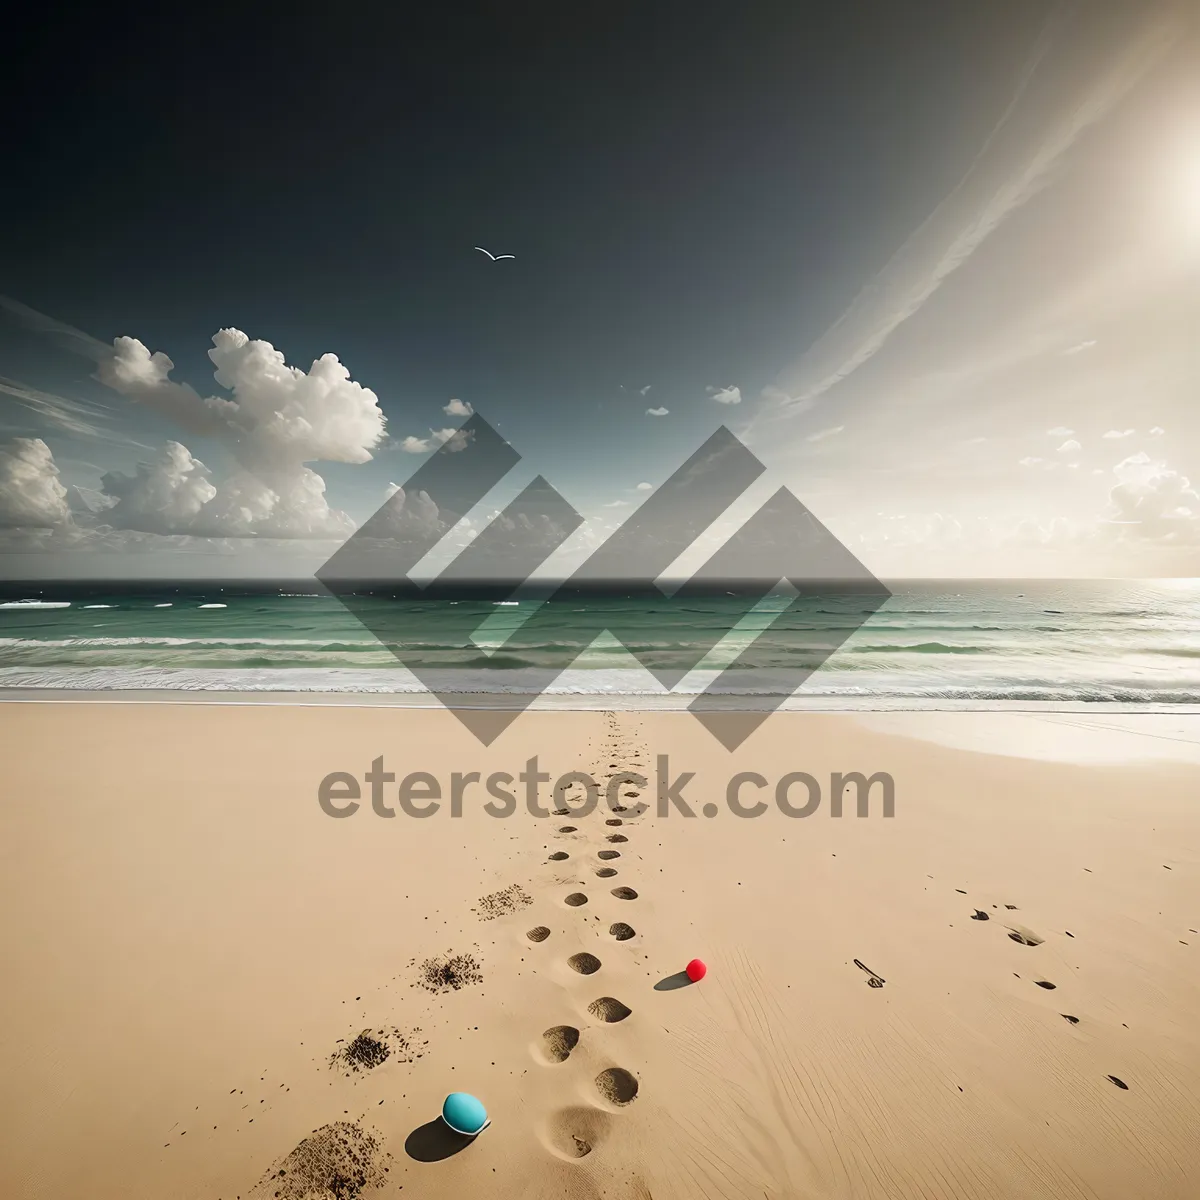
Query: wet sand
x=210 y=981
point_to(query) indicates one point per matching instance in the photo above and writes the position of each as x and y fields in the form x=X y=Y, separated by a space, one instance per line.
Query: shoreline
x=572 y=702
x=1081 y=733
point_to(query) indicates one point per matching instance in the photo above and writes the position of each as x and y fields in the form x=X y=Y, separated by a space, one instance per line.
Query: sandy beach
x=215 y=989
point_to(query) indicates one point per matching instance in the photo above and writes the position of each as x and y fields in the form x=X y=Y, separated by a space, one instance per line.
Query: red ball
x=696 y=970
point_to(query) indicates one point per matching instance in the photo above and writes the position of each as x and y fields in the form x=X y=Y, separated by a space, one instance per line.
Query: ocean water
x=1126 y=643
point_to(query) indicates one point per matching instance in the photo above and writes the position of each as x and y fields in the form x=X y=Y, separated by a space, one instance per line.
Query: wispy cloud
x=984 y=197
x=657 y=412
x=79 y=418
x=67 y=335
x=822 y=434
x=1114 y=434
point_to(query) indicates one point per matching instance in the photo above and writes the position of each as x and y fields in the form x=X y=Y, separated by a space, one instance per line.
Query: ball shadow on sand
x=435 y=1141
x=678 y=980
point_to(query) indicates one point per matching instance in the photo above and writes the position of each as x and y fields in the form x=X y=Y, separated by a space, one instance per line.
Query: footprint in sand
x=616 y=837
x=566 y=829
x=606 y=872
x=980 y=915
x=574 y=1133
x=585 y=964
x=1068 y=1017
x=614 y=821
x=1026 y=937
x=559 y=856
x=562 y=812
x=621 y=931
x=575 y=899
x=618 y=1086
x=624 y=893
x=1119 y=1082
x=373 y=1047
x=1044 y=983
x=608 y=854
x=326 y=1160
x=559 y=1041
x=609 y=1010
x=539 y=933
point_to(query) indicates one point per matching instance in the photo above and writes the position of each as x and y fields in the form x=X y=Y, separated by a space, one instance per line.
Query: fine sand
x=212 y=989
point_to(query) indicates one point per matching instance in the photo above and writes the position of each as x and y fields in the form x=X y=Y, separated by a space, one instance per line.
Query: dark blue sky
x=693 y=191
x=977 y=210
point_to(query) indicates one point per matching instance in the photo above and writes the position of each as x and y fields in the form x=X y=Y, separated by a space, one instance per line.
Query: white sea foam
x=84 y=643
x=615 y=688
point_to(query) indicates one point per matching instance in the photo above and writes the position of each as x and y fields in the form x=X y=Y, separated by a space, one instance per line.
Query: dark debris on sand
x=449 y=973
x=340 y=1161
x=500 y=904
x=373 y=1047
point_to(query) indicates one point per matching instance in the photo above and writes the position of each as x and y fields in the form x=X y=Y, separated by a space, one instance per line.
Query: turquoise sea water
x=1129 y=642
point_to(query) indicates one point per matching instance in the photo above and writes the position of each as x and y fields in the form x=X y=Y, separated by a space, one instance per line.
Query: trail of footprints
x=574 y=1132
x=348 y=1151
x=1026 y=937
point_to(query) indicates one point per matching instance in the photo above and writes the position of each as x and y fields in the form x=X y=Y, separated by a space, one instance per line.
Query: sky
x=936 y=264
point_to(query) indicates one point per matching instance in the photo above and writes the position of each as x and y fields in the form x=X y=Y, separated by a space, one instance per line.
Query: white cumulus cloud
x=656 y=412
x=1154 y=501
x=458 y=408
x=1114 y=434
x=455 y=438
x=31 y=494
x=174 y=493
x=726 y=395
x=279 y=419
x=163 y=496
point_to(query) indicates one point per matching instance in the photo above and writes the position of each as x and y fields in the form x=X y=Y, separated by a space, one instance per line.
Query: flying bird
x=494 y=257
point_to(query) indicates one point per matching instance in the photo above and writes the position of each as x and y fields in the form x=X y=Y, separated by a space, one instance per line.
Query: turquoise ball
x=464 y=1114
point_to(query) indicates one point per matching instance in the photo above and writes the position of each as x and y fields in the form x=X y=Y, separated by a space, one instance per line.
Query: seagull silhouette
x=494 y=257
